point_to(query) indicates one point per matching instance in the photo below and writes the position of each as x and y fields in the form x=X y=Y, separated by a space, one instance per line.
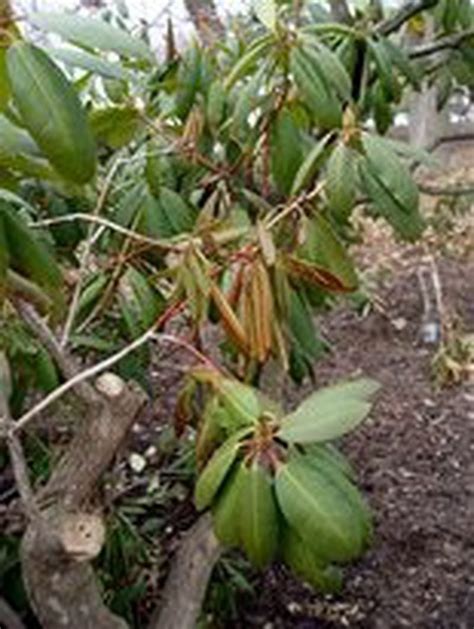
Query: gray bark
x=206 y=20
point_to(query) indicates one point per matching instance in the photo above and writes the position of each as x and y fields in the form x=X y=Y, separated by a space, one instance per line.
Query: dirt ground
x=416 y=466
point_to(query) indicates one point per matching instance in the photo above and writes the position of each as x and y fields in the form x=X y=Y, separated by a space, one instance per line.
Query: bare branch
x=87 y=374
x=187 y=582
x=65 y=363
x=87 y=252
x=450 y=191
x=405 y=13
x=102 y=366
x=15 y=449
x=445 y=43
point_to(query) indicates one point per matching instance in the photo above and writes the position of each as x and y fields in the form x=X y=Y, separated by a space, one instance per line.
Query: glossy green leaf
x=401 y=61
x=45 y=372
x=311 y=164
x=188 y=81
x=115 y=126
x=257 y=51
x=5 y=90
x=28 y=255
x=285 y=150
x=227 y=508
x=313 y=508
x=91 y=33
x=390 y=187
x=361 y=517
x=52 y=112
x=328 y=452
x=384 y=67
x=331 y=67
x=217 y=469
x=315 y=90
x=4 y=258
x=323 y=259
x=330 y=412
x=259 y=518
x=179 y=215
x=301 y=558
x=341 y=181
x=216 y=104
x=76 y=58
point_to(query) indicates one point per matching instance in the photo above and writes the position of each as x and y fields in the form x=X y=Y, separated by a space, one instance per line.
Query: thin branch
x=87 y=252
x=445 y=43
x=404 y=14
x=450 y=191
x=15 y=449
x=82 y=376
x=102 y=366
x=104 y=222
x=176 y=244
x=45 y=335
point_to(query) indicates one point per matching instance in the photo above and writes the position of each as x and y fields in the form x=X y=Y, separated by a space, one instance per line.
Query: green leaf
x=45 y=372
x=227 y=508
x=5 y=90
x=401 y=61
x=266 y=12
x=302 y=328
x=331 y=67
x=316 y=92
x=241 y=401
x=311 y=164
x=385 y=72
x=259 y=516
x=390 y=187
x=216 y=104
x=285 y=150
x=328 y=452
x=51 y=111
x=361 y=517
x=217 y=469
x=28 y=255
x=313 y=508
x=188 y=81
x=257 y=51
x=4 y=258
x=91 y=33
x=306 y=564
x=139 y=303
x=329 y=413
x=15 y=140
x=115 y=126
x=341 y=181
x=77 y=58
x=179 y=215
x=323 y=259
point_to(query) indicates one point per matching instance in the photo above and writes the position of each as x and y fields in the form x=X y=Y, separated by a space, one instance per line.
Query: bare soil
x=415 y=460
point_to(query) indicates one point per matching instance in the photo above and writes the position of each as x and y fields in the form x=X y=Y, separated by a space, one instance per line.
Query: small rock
x=137 y=462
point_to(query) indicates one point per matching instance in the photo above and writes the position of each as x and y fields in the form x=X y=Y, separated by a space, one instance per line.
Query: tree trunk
x=187 y=582
x=340 y=11
x=206 y=20
x=62 y=540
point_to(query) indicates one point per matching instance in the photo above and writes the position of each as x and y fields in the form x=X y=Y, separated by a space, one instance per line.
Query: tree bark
x=59 y=544
x=187 y=582
x=206 y=20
